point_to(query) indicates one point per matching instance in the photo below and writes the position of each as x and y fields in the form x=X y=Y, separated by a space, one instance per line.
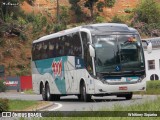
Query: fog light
x=100 y=90
x=143 y=88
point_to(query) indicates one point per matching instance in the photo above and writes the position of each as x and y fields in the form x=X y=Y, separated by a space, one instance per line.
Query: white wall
x=155 y=55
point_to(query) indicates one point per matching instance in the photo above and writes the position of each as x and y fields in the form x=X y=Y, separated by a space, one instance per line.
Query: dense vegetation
x=2 y=86
x=146 y=18
x=15 y=105
x=18 y=29
x=153 y=88
x=4 y=106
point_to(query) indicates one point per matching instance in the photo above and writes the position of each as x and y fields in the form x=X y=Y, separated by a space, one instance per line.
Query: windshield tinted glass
x=118 y=53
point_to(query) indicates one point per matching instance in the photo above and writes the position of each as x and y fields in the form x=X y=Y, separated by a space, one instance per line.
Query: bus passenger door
x=88 y=65
x=69 y=75
x=89 y=71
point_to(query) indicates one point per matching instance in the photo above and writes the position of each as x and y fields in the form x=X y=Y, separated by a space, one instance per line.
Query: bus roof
x=58 y=34
x=103 y=28
x=94 y=28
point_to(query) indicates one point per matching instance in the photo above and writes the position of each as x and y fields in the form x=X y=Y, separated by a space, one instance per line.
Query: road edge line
x=59 y=106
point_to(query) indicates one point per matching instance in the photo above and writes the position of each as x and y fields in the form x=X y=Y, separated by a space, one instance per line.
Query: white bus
x=91 y=60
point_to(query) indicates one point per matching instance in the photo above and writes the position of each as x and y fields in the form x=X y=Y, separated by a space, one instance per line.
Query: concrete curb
x=45 y=106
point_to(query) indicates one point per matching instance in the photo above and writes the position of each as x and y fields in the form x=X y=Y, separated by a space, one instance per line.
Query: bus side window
x=77 y=45
x=51 y=49
x=87 y=58
x=61 y=50
x=61 y=46
x=44 y=50
x=37 y=52
x=40 y=55
x=56 y=52
x=70 y=46
x=66 y=45
x=33 y=52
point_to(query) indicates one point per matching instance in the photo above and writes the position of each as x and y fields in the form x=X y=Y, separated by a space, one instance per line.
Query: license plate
x=123 y=88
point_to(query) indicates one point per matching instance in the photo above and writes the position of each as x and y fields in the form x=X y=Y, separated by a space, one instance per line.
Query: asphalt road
x=71 y=103
x=100 y=102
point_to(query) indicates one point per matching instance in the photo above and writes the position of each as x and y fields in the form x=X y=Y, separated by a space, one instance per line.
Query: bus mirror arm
x=149 y=46
x=91 y=51
x=88 y=43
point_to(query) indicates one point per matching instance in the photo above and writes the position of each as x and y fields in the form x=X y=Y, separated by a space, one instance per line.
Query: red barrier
x=26 y=82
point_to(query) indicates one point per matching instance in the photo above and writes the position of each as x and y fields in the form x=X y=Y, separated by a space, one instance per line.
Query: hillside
x=15 y=53
x=108 y=13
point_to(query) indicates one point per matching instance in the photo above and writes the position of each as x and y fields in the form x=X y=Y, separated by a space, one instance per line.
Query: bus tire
x=129 y=96
x=47 y=92
x=44 y=97
x=84 y=96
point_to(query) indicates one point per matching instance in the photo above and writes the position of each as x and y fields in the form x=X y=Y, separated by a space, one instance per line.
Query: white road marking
x=59 y=106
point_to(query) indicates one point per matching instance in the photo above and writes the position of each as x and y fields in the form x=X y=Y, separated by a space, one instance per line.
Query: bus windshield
x=118 y=53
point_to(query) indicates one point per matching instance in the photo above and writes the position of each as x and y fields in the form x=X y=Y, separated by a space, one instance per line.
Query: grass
x=153 y=88
x=30 y=91
x=15 y=105
x=148 y=106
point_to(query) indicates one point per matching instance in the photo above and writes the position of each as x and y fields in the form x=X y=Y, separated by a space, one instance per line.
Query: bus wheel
x=47 y=92
x=129 y=96
x=84 y=96
x=44 y=93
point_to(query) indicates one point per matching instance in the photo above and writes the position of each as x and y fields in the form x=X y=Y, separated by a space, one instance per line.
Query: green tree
x=58 y=17
x=64 y=14
x=146 y=17
x=2 y=86
x=110 y=3
x=99 y=5
x=8 y=6
x=94 y=6
x=90 y=5
x=31 y=2
x=77 y=9
x=148 y=11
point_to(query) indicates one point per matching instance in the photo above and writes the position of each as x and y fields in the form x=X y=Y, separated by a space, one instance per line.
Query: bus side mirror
x=91 y=51
x=149 y=47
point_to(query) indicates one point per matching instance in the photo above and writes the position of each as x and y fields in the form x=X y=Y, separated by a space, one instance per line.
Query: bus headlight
x=141 y=78
x=102 y=80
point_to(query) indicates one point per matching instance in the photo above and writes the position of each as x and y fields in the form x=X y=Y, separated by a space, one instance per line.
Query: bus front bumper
x=101 y=88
